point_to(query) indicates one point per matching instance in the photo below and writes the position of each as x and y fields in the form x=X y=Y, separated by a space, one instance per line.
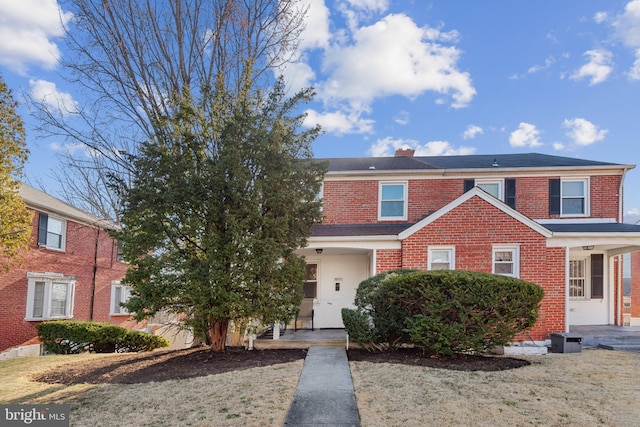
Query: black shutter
x=469 y=184
x=510 y=192
x=554 y=197
x=597 y=276
x=42 y=229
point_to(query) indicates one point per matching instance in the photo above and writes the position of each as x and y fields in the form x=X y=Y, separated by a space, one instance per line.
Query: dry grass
x=252 y=397
x=595 y=387
x=592 y=388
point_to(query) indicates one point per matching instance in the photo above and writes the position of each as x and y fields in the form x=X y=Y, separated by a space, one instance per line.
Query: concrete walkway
x=324 y=396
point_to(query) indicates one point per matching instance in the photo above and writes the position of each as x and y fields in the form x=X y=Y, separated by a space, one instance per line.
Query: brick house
x=70 y=272
x=555 y=221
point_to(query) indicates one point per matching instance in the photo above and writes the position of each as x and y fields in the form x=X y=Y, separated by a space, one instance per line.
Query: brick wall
x=356 y=202
x=473 y=243
x=78 y=259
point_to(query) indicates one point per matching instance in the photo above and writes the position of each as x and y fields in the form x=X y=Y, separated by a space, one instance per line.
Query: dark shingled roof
x=585 y=227
x=329 y=230
x=483 y=161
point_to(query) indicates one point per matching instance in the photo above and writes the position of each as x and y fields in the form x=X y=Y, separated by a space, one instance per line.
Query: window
x=441 y=258
x=51 y=232
x=569 y=196
x=506 y=260
x=119 y=295
x=393 y=201
x=577 y=278
x=49 y=296
x=310 y=288
x=493 y=187
x=573 y=198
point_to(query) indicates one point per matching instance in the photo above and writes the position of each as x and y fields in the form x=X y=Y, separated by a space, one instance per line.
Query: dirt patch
x=461 y=362
x=172 y=365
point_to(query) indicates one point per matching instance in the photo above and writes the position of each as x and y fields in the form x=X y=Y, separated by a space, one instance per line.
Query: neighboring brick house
x=70 y=272
x=555 y=221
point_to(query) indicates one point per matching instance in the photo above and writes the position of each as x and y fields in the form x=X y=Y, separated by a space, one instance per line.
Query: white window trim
x=499 y=181
x=452 y=255
x=405 y=207
x=115 y=308
x=515 y=249
x=49 y=279
x=315 y=261
x=63 y=238
x=587 y=203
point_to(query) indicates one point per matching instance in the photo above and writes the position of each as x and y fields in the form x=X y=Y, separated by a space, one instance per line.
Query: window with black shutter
x=597 y=276
x=510 y=192
x=469 y=184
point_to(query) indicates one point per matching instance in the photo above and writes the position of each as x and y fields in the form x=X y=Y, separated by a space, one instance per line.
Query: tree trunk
x=218 y=335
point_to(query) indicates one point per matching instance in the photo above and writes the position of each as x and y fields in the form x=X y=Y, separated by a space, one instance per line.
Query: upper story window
x=493 y=187
x=506 y=260
x=442 y=258
x=569 y=197
x=119 y=295
x=51 y=232
x=49 y=296
x=393 y=201
x=574 y=197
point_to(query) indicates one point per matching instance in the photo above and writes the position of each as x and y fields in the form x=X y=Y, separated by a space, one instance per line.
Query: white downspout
x=566 y=289
x=618 y=303
x=621 y=197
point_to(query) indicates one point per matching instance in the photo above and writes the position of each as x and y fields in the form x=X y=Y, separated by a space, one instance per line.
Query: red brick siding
x=356 y=202
x=77 y=260
x=473 y=242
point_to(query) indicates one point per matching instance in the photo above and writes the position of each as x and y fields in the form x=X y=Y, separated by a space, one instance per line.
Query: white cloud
x=558 y=146
x=597 y=69
x=388 y=146
x=472 y=131
x=632 y=216
x=395 y=57
x=27 y=30
x=339 y=122
x=600 y=17
x=527 y=135
x=370 y=5
x=547 y=63
x=583 y=132
x=316 y=32
x=48 y=94
x=634 y=72
x=298 y=75
x=627 y=24
x=402 y=118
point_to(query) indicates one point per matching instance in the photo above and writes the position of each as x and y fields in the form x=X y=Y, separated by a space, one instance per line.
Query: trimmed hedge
x=445 y=312
x=73 y=337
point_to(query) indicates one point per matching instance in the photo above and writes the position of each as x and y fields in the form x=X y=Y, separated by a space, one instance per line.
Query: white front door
x=338 y=279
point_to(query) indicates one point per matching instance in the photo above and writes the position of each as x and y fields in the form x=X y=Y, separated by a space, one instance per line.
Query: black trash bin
x=566 y=343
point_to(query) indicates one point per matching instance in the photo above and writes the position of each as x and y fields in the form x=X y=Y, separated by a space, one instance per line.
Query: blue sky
x=443 y=77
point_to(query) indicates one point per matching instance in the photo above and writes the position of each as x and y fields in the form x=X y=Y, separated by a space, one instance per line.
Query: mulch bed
x=196 y=362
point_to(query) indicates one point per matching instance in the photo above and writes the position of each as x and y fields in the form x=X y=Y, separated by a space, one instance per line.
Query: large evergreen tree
x=15 y=219
x=216 y=209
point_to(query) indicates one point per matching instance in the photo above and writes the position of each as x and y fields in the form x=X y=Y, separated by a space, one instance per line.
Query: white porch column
x=276 y=331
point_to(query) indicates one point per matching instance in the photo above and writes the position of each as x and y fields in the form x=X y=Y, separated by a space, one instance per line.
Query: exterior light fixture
x=319 y=251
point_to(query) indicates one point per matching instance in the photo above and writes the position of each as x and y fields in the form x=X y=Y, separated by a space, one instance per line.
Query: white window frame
x=405 y=201
x=451 y=250
x=125 y=292
x=586 y=290
x=317 y=280
x=498 y=181
x=586 y=186
x=49 y=280
x=515 y=259
x=63 y=237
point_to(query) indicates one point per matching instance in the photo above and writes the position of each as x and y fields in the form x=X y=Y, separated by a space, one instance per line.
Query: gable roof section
x=484 y=161
x=43 y=202
x=476 y=192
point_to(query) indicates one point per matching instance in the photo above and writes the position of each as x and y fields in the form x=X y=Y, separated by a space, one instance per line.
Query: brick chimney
x=404 y=152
